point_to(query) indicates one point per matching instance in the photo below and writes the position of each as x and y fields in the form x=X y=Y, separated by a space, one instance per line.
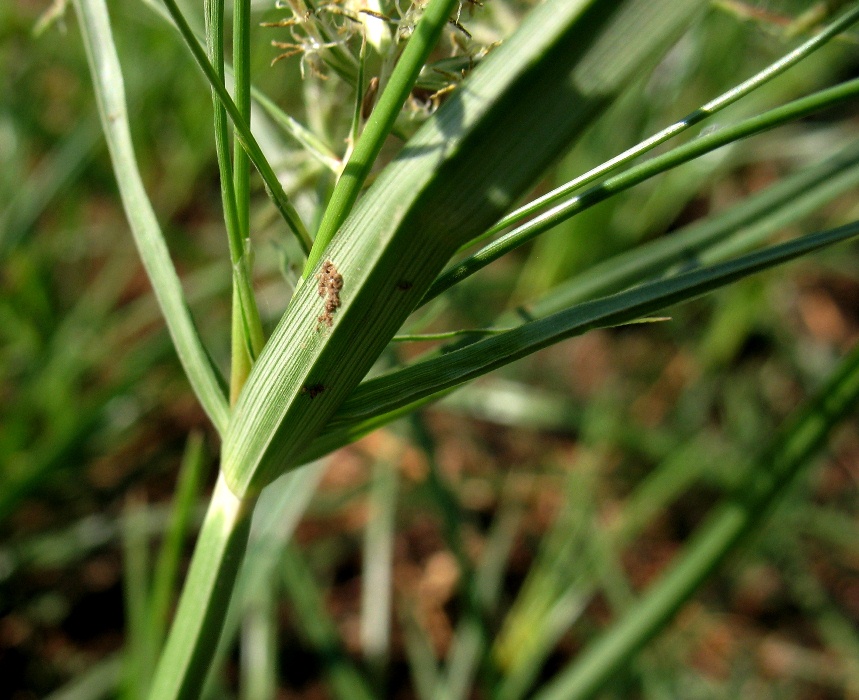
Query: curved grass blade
x=512 y=117
x=726 y=529
x=637 y=174
x=705 y=111
x=416 y=382
x=204 y=377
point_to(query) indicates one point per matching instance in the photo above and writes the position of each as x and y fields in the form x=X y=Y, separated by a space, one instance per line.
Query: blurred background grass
x=562 y=484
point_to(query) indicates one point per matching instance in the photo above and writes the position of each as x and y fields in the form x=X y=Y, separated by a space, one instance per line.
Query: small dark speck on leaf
x=313 y=390
x=404 y=285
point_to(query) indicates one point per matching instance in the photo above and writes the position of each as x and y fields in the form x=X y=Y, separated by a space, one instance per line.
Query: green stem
x=243 y=131
x=240 y=351
x=246 y=327
x=704 y=112
x=732 y=523
x=241 y=178
x=380 y=123
x=205 y=597
x=242 y=90
x=636 y=175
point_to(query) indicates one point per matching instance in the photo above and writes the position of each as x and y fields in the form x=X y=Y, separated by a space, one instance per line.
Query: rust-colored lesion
x=330 y=284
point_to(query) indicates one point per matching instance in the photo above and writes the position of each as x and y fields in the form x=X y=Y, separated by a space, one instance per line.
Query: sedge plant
x=391 y=239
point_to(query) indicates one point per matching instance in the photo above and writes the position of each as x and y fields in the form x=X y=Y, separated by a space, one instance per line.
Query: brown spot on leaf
x=330 y=284
x=404 y=285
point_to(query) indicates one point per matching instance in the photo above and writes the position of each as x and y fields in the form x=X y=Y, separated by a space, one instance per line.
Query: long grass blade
x=110 y=95
x=141 y=651
x=637 y=174
x=170 y=555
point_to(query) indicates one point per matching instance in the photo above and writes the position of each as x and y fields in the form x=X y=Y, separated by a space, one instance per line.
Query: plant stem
x=246 y=325
x=243 y=131
x=380 y=123
x=242 y=91
x=242 y=361
x=205 y=597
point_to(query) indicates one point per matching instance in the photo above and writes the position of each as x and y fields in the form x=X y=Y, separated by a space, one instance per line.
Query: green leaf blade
x=460 y=172
x=412 y=384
